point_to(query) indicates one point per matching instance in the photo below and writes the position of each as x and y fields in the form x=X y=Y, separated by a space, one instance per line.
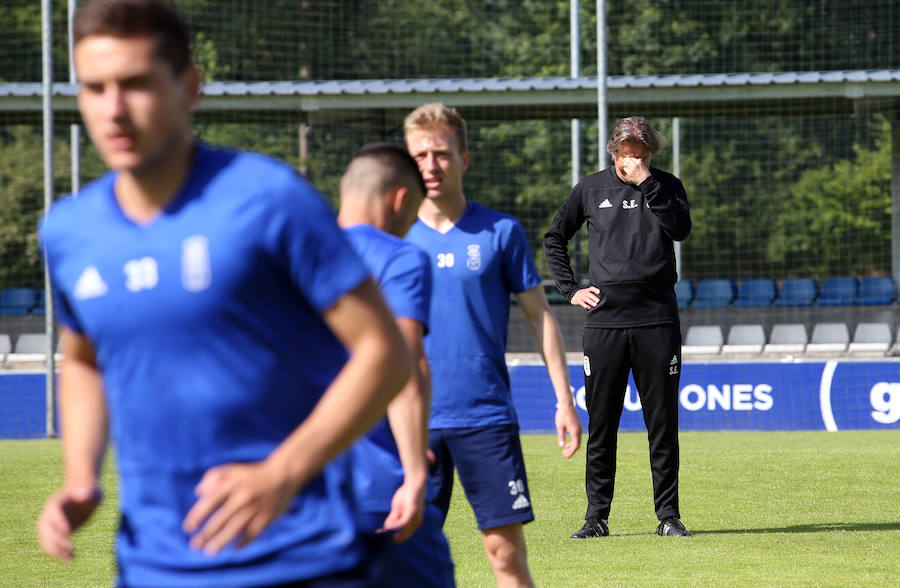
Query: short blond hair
x=436 y=113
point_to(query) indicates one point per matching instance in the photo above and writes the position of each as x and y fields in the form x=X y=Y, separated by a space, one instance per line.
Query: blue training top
x=404 y=278
x=207 y=324
x=476 y=265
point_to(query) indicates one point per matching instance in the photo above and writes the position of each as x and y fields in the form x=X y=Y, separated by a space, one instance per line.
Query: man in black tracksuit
x=634 y=213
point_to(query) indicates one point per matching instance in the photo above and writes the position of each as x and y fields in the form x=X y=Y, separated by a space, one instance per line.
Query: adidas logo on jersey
x=520 y=502
x=606 y=204
x=90 y=284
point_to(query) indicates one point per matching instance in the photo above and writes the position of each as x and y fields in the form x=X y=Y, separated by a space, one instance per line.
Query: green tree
x=22 y=201
x=837 y=219
x=21 y=37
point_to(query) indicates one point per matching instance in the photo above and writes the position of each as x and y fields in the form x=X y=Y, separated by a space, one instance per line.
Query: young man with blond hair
x=478 y=258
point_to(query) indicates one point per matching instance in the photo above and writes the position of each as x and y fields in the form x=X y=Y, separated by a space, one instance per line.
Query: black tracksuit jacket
x=631 y=230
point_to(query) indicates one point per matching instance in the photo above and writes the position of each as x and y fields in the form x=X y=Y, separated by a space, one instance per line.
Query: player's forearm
x=408 y=412
x=554 y=355
x=548 y=339
x=408 y=417
x=84 y=423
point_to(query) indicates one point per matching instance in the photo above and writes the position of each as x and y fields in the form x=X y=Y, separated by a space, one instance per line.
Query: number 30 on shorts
x=516 y=487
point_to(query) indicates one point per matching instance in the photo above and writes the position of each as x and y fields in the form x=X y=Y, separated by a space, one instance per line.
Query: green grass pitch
x=784 y=509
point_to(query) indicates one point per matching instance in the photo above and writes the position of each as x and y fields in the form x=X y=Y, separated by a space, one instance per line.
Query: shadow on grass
x=814 y=528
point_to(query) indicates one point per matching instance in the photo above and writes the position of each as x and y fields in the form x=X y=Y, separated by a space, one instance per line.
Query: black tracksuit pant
x=653 y=354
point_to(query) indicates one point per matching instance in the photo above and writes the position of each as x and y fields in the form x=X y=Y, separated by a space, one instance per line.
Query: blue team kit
x=202 y=320
x=476 y=265
x=404 y=278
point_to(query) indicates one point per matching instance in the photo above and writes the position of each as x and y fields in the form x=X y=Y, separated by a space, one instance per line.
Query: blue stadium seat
x=714 y=293
x=684 y=292
x=797 y=292
x=40 y=307
x=838 y=291
x=875 y=291
x=756 y=292
x=18 y=301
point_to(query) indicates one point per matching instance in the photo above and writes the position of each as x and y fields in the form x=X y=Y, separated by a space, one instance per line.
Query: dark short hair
x=137 y=18
x=394 y=157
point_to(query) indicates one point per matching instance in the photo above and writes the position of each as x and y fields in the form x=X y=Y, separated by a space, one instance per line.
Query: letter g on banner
x=885 y=399
x=860 y=395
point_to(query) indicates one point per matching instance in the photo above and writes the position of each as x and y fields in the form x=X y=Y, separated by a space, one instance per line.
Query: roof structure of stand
x=819 y=92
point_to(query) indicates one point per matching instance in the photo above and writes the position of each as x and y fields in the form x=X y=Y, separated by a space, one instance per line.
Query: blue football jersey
x=475 y=266
x=404 y=278
x=207 y=324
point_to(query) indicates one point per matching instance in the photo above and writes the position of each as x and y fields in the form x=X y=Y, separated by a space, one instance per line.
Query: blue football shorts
x=491 y=469
x=422 y=561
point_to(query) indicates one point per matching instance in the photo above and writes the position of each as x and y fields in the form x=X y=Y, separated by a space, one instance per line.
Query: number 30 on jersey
x=445 y=260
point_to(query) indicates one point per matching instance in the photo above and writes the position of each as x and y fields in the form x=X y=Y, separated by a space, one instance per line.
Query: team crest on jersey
x=195 y=270
x=473 y=257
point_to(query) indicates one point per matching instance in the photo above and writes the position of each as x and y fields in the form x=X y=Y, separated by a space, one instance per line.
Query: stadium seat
x=18 y=301
x=895 y=348
x=828 y=339
x=756 y=292
x=838 y=291
x=870 y=339
x=702 y=340
x=5 y=346
x=684 y=292
x=714 y=293
x=797 y=292
x=744 y=340
x=40 y=307
x=787 y=339
x=30 y=347
x=875 y=291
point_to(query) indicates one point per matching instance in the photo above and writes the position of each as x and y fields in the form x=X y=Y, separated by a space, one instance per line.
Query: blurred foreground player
x=217 y=322
x=380 y=194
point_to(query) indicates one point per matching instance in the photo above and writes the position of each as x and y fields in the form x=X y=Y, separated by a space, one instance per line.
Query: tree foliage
x=836 y=220
x=769 y=192
x=22 y=190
